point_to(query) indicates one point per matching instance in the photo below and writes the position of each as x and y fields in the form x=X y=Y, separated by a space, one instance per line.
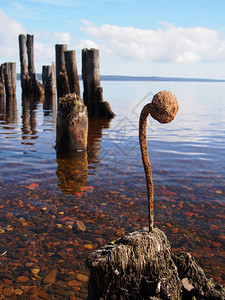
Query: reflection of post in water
x=2 y=106
x=11 y=109
x=94 y=138
x=8 y=109
x=72 y=172
x=29 y=106
x=2 y=93
x=49 y=104
x=72 y=168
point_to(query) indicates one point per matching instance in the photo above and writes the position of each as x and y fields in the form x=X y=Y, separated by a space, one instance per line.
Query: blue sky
x=146 y=38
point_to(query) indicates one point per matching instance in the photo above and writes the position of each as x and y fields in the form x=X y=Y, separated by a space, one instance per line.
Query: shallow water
x=43 y=194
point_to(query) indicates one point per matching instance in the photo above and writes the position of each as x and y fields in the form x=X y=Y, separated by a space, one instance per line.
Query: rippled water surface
x=42 y=194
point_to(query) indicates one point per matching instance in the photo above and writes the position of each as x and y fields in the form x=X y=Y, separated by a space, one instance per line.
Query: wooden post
x=72 y=124
x=48 y=80
x=141 y=265
x=61 y=74
x=1 y=82
x=36 y=87
x=91 y=78
x=54 y=77
x=24 y=75
x=29 y=82
x=10 y=78
x=71 y=68
x=46 y=72
x=134 y=268
x=93 y=94
x=30 y=55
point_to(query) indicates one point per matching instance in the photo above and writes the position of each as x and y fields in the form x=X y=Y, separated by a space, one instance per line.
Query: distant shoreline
x=146 y=78
x=155 y=78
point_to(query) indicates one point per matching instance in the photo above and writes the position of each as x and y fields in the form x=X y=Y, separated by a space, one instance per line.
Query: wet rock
x=25 y=288
x=50 y=277
x=22 y=279
x=35 y=272
x=100 y=241
x=82 y=278
x=8 y=291
x=88 y=246
x=64 y=277
x=73 y=283
x=65 y=293
x=79 y=226
x=18 y=292
x=39 y=292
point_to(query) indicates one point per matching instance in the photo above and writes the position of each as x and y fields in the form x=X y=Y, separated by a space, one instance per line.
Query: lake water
x=43 y=194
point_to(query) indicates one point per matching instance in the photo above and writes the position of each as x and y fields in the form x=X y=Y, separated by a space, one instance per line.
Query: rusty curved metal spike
x=163 y=108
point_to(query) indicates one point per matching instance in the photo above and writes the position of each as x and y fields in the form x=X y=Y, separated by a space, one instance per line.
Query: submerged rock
x=141 y=265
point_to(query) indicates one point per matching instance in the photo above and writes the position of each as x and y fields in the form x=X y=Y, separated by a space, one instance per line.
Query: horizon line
x=145 y=78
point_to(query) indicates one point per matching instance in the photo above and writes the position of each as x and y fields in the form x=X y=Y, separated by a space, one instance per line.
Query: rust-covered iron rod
x=163 y=108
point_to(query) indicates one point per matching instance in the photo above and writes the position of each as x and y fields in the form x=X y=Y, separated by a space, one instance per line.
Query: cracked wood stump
x=72 y=125
x=140 y=265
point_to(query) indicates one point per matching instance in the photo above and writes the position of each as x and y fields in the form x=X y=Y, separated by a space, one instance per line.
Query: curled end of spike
x=164 y=107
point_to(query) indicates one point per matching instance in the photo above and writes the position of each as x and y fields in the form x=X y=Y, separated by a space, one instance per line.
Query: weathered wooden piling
x=9 y=71
x=71 y=69
x=24 y=75
x=72 y=124
x=62 y=81
x=54 y=76
x=29 y=82
x=93 y=93
x=48 y=79
x=1 y=82
x=141 y=265
x=36 y=86
x=30 y=55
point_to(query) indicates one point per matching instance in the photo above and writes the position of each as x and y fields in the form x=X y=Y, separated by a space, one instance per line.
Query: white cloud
x=69 y=22
x=44 y=53
x=68 y=3
x=9 y=32
x=44 y=42
x=62 y=37
x=168 y=43
x=86 y=44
